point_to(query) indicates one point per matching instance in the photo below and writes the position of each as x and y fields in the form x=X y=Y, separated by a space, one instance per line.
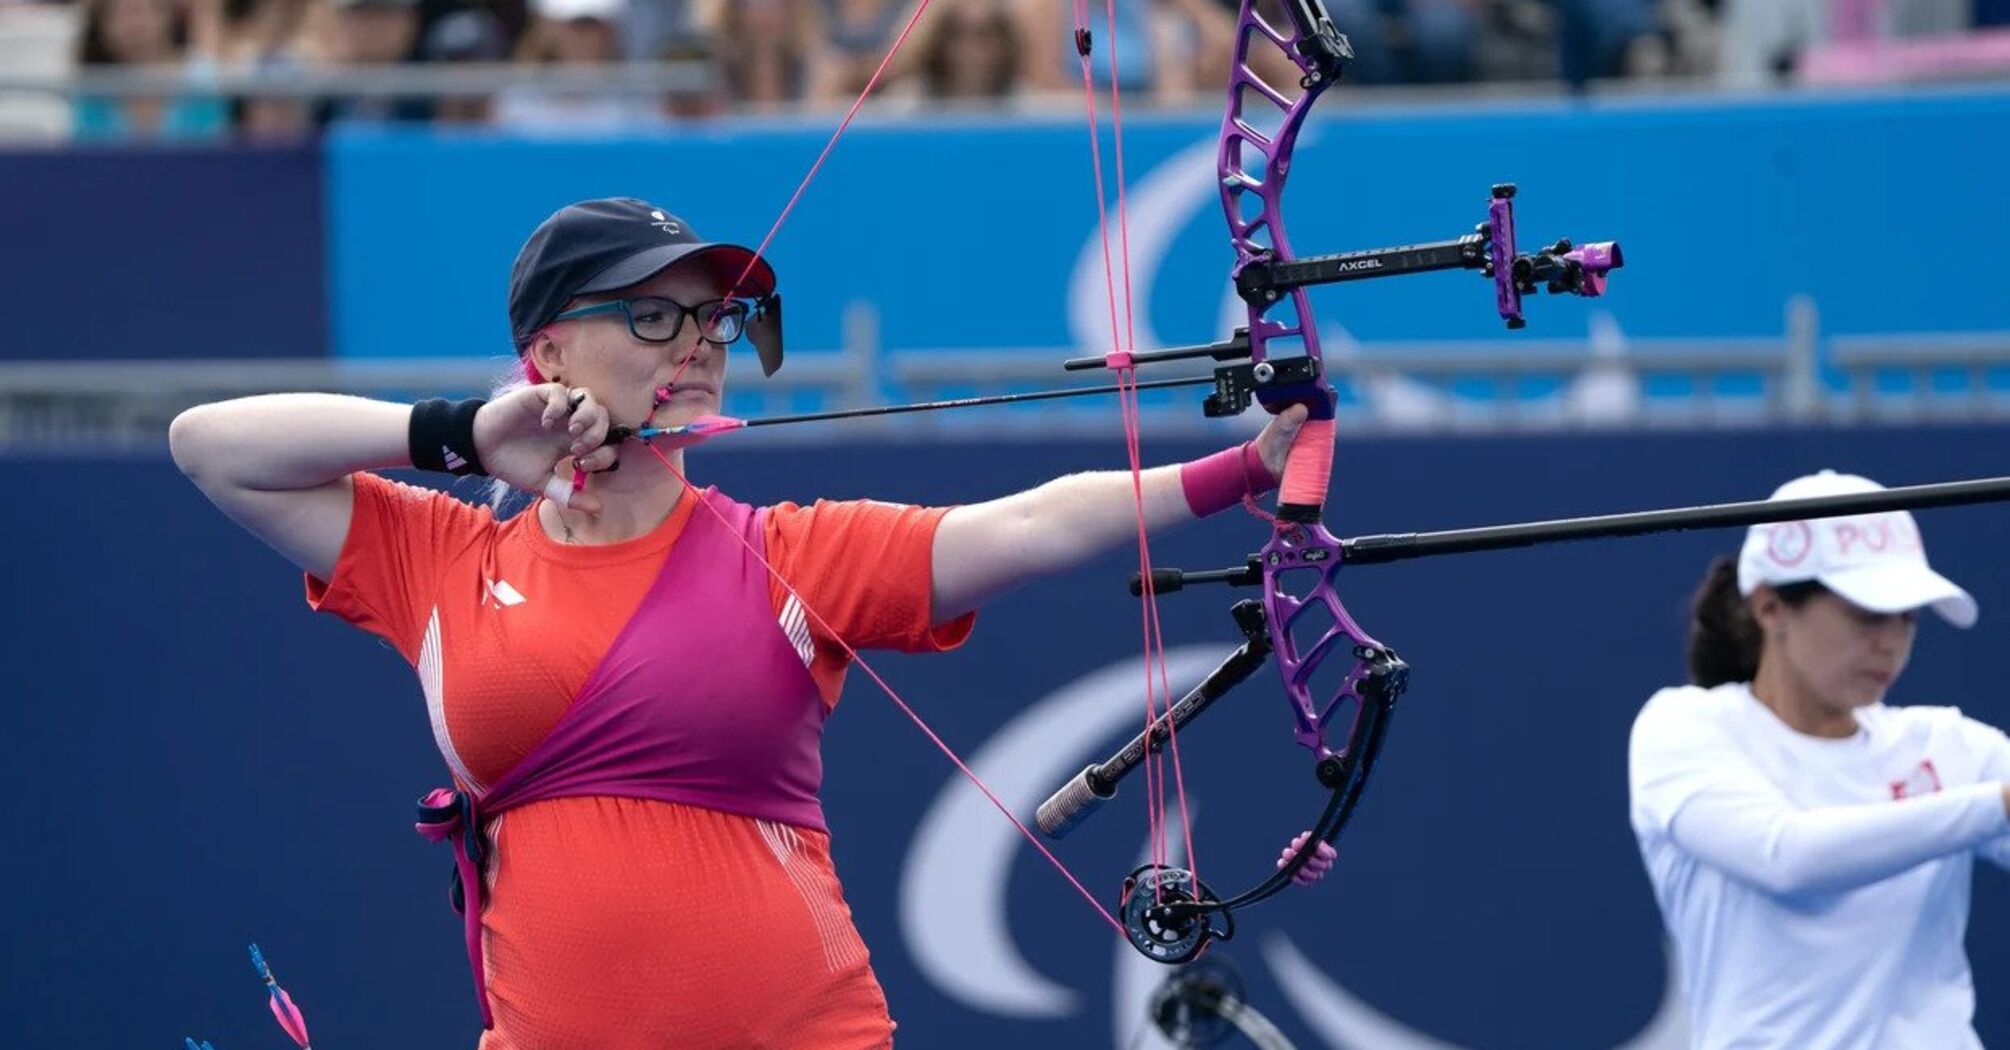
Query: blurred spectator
x=1410 y=41
x=265 y=37
x=468 y=35
x=653 y=27
x=1762 y=38
x=778 y=54
x=1395 y=42
x=972 y=51
x=708 y=100
x=147 y=34
x=1136 y=52
x=1904 y=18
x=511 y=18
x=1687 y=44
x=271 y=118
x=37 y=41
x=1861 y=42
x=767 y=50
x=857 y=34
x=368 y=33
x=252 y=33
x=1197 y=38
x=576 y=35
x=1597 y=34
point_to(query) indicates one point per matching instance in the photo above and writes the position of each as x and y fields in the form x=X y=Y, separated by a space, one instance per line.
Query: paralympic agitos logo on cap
x=1788 y=542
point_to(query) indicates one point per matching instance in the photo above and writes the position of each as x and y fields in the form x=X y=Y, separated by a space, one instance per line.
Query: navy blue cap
x=604 y=245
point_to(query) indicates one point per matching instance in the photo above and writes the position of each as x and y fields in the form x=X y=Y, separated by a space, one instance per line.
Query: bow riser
x=1319 y=52
x=1295 y=551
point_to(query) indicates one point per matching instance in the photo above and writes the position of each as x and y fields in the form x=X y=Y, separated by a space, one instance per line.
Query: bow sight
x=1562 y=268
x=1490 y=249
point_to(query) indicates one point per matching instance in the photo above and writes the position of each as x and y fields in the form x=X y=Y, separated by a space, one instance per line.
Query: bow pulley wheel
x=1170 y=915
x=1194 y=1006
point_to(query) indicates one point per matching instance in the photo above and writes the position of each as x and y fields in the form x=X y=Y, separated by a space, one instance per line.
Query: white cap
x=567 y=10
x=1874 y=561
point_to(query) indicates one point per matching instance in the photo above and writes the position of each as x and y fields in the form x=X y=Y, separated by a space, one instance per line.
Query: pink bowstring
x=691 y=492
x=1120 y=358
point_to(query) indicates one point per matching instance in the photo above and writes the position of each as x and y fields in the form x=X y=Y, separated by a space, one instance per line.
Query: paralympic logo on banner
x=955 y=902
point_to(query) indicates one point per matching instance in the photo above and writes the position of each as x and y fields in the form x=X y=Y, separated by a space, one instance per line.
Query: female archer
x=1810 y=847
x=628 y=680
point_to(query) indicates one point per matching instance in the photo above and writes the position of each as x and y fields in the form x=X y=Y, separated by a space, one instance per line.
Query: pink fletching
x=289 y=1016
x=709 y=425
x=697 y=430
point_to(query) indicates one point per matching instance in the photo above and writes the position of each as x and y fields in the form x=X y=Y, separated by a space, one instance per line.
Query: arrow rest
x=1235 y=386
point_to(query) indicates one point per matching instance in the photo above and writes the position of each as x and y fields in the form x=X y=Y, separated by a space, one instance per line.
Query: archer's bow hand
x=1315 y=866
x=1274 y=444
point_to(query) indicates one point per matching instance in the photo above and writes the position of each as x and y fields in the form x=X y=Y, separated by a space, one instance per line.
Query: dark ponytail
x=1724 y=639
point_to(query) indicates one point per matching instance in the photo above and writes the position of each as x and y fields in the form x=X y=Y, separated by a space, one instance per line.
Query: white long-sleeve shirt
x=1816 y=889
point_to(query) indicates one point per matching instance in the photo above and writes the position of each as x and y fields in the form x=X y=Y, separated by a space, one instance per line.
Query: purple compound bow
x=1301 y=623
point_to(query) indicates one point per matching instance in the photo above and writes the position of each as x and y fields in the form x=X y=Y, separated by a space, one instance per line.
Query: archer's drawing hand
x=523 y=436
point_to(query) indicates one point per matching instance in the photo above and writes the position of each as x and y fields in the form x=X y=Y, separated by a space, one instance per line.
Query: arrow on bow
x=705 y=428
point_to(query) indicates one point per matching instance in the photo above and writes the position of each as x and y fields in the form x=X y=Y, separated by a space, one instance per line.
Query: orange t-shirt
x=612 y=923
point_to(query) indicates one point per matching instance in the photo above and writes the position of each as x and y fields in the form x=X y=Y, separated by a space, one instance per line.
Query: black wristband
x=442 y=436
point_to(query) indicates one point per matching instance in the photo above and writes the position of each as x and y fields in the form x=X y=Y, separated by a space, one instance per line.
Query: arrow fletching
x=283 y=1010
x=684 y=435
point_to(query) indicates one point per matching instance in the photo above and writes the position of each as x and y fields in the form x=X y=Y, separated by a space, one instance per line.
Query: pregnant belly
x=622 y=923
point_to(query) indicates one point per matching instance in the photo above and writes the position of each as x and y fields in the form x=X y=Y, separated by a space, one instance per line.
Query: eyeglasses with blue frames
x=654 y=319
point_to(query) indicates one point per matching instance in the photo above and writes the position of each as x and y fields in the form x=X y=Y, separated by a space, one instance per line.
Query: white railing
x=1608 y=382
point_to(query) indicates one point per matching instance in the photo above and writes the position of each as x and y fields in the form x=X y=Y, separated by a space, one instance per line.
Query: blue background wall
x=389 y=243
x=1873 y=206
x=115 y=253
x=195 y=761
x=967 y=234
